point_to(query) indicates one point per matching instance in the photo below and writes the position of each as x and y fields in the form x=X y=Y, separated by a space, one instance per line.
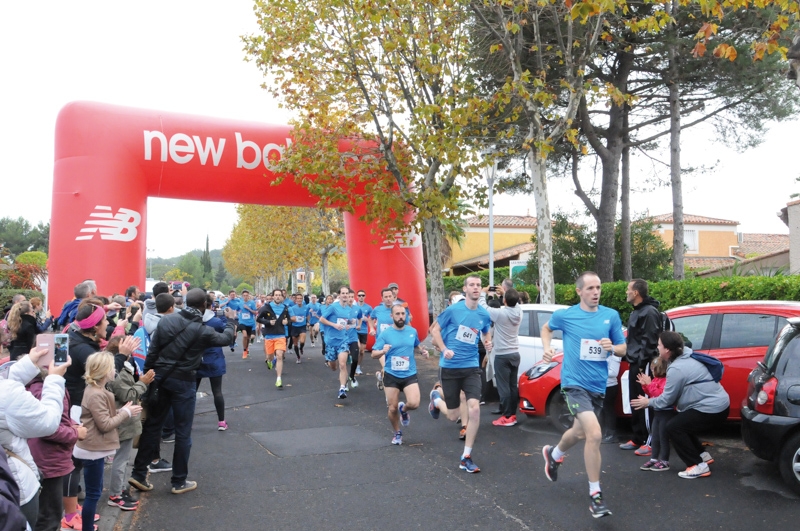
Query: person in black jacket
x=176 y=351
x=13 y=519
x=23 y=327
x=644 y=326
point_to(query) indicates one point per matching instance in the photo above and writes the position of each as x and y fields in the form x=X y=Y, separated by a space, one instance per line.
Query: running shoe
x=398 y=438
x=432 y=409
x=245 y=353
x=168 y=439
x=405 y=419
x=649 y=464
x=298 y=361
x=598 y=508
x=550 y=464
x=354 y=383
x=660 y=466
x=269 y=364
x=312 y=344
x=222 y=425
x=358 y=369
x=379 y=377
x=79 y=508
x=121 y=503
x=468 y=466
x=696 y=471
x=162 y=465
x=630 y=445
x=644 y=450
x=342 y=392
x=140 y=484
x=185 y=487
x=279 y=383
x=505 y=421
x=707 y=459
x=462 y=434
x=75 y=523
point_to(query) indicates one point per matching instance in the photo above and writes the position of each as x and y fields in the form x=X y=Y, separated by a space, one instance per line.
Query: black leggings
x=354 y=359
x=683 y=430
x=216 y=390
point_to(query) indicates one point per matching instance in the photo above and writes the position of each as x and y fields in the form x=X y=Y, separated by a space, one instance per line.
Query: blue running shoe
x=405 y=419
x=432 y=409
x=398 y=438
x=342 y=392
x=468 y=466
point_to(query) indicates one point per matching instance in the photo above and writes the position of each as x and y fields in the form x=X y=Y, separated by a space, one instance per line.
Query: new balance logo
x=120 y=227
x=405 y=239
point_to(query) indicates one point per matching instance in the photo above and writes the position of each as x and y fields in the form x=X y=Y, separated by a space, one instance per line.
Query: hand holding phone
x=59 y=370
x=61 y=351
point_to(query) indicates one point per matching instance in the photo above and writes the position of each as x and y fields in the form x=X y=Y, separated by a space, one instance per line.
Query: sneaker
x=643 y=451
x=379 y=377
x=707 y=459
x=550 y=464
x=468 y=466
x=80 y=510
x=186 y=487
x=245 y=354
x=142 y=485
x=233 y=348
x=660 y=466
x=342 y=392
x=168 y=439
x=269 y=364
x=649 y=464
x=405 y=419
x=354 y=383
x=222 y=426
x=432 y=409
x=119 y=501
x=347 y=385
x=630 y=445
x=279 y=383
x=696 y=471
x=398 y=438
x=608 y=439
x=505 y=421
x=598 y=508
x=358 y=369
x=75 y=523
x=298 y=362
x=162 y=465
x=462 y=433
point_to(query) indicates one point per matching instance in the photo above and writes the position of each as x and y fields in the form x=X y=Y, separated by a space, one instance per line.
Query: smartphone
x=46 y=341
x=492 y=288
x=61 y=349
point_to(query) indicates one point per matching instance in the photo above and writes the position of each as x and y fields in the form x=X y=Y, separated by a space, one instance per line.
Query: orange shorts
x=278 y=343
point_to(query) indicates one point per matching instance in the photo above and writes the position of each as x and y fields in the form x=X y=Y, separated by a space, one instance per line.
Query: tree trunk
x=675 y=157
x=544 y=228
x=625 y=203
x=432 y=237
x=607 y=211
x=326 y=288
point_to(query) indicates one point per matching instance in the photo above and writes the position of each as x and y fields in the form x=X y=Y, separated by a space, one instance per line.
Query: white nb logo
x=120 y=227
x=405 y=239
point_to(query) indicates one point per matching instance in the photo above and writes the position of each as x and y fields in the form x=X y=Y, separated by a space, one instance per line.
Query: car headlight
x=539 y=370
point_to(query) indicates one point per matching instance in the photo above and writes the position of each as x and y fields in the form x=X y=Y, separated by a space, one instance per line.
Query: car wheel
x=789 y=462
x=557 y=412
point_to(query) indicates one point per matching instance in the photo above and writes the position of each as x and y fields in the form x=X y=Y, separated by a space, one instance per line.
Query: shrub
x=7 y=294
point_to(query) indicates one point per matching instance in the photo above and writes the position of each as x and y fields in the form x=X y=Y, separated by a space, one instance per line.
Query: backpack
x=714 y=366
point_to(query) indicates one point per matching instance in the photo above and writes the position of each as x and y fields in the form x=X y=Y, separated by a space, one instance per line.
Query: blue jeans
x=93 y=478
x=180 y=395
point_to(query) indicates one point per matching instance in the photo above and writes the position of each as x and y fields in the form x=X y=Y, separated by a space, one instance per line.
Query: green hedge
x=7 y=294
x=671 y=293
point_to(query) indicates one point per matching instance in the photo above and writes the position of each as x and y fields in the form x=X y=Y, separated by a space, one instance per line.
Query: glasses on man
x=362 y=294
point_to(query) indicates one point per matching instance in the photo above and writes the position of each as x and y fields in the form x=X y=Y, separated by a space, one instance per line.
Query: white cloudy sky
x=186 y=56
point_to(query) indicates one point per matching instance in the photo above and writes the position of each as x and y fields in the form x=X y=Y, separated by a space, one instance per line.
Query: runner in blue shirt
x=247 y=320
x=455 y=333
x=299 y=317
x=337 y=349
x=381 y=319
x=397 y=345
x=366 y=310
x=353 y=326
x=234 y=303
x=314 y=311
x=591 y=333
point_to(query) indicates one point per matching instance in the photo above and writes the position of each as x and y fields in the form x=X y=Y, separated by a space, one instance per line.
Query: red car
x=738 y=333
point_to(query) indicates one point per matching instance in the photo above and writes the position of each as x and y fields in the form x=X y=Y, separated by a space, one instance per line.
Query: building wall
x=713 y=240
x=476 y=242
x=794 y=237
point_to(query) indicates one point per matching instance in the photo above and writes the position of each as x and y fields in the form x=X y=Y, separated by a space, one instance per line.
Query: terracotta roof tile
x=760 y=244
x=712 y=262
x=503 y=221
x=694 y=220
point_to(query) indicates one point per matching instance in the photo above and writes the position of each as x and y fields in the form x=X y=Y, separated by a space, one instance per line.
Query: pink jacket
x=53 y=454
x=655 y=387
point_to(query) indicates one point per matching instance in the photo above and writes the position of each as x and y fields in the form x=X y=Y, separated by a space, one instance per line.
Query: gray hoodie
x=505 y=339
x=705 y=397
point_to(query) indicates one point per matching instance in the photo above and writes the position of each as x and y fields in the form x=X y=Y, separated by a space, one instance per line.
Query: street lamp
x=150 y=263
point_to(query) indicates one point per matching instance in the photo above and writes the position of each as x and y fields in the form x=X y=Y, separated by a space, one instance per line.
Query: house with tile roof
x=512 y=241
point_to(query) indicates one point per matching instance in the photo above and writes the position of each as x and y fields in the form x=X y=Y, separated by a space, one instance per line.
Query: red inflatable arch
x=110 y=159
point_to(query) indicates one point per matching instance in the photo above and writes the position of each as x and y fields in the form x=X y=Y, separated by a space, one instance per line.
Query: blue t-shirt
x=461 y=329
x=336 y=313
x=382 y=317
x=277 y=309
x=580 y=329
x=301 y=315
x=235 y=304
x=247 y=311
x=314 y=312
x=366 y=310
x=353 y=323
x=400 y=361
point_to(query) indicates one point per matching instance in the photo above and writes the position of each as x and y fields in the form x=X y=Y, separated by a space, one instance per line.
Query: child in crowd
x=654 y=387
x=100 y=417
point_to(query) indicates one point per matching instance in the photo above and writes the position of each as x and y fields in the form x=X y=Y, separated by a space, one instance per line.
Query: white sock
x=594 y=486
x=438 y=403
x=557 y=453
x=467 y=451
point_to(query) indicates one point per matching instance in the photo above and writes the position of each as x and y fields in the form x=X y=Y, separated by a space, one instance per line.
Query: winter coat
x=80 y=348
x=26 y=337
x=68 y=313
x=101 y=419
x=23 y=417
x=213 y=358
x=53 y=454
x=690 y=386
x=127 y=389
x=644 y=327
x=13 y=519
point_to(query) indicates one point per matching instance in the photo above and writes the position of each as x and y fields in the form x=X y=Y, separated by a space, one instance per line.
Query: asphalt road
x=299 y=458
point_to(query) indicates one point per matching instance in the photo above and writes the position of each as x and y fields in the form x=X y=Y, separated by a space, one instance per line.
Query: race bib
x=592 y=351
x=341 y=321
x=300 y=318
x=384 y=327
x=466 y=334
x=245 y=315
x=401 y=363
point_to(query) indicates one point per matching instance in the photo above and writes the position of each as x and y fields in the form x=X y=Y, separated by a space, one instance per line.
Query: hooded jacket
x=80 y=348
x=126 y=389
x=644 y=327
x=213 y=358
x=506 y=319
x=690 y=386
x=26 y=337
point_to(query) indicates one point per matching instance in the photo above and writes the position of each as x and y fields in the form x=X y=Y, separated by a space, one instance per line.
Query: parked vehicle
x=737 y=333
x=771 y=415
x=534 y=316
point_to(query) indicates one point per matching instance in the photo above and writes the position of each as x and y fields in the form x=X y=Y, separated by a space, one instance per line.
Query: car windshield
x=777 y=346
